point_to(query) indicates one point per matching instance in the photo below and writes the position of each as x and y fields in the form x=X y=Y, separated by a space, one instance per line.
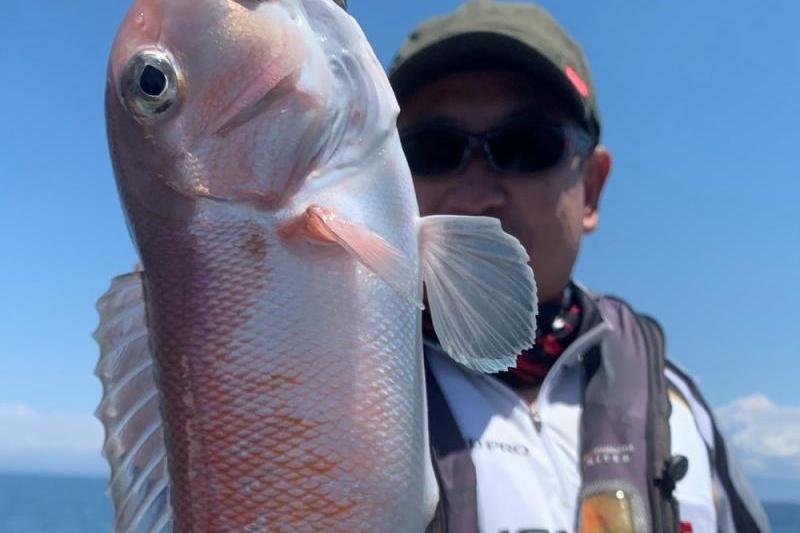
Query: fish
x=262 y=369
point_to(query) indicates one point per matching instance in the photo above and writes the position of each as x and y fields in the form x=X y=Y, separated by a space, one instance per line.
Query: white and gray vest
x=610 y=415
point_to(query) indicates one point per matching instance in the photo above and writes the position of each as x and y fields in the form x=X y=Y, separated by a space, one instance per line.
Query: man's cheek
x=429 y=198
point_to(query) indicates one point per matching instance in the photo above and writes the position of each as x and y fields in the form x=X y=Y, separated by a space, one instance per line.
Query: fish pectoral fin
x=134 y=438
x=480 y=289
x=377 y=254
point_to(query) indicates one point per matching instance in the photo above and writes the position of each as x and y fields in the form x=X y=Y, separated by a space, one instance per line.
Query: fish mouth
x=253 y=101
x=249 y=4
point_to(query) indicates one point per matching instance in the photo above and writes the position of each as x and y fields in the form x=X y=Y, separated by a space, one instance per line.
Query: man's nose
x=477 y=189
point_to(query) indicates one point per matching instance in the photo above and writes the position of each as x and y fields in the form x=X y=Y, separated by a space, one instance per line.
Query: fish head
x=219 y=99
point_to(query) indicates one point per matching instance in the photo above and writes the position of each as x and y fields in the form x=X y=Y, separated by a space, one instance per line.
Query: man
x=499 y=118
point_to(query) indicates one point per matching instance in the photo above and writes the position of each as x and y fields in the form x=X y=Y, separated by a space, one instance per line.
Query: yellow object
x=606 y=512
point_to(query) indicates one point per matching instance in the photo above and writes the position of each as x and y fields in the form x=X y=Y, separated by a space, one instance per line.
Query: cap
x=488 y=34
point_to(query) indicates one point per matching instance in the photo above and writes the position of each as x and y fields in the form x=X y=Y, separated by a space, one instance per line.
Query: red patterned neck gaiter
x=551 y=341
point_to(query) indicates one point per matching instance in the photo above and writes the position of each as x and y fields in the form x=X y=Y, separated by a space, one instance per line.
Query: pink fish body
x=263 y=372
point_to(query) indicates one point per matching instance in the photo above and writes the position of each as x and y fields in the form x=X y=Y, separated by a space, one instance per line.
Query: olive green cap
x=487 y=34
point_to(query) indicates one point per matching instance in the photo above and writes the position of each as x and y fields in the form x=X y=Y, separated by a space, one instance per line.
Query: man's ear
x=597 y=168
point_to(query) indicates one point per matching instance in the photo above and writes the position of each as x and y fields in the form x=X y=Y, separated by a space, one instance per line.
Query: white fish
x=263 y=372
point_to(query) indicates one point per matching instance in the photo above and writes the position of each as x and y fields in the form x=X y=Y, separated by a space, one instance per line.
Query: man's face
x=547 y=210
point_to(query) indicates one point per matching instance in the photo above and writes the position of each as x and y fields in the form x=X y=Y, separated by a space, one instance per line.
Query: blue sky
x=698 y=227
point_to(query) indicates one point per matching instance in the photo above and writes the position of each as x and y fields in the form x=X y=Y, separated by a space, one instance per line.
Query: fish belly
x=290 y=383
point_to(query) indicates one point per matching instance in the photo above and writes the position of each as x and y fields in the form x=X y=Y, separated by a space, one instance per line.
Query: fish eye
x=150 y=84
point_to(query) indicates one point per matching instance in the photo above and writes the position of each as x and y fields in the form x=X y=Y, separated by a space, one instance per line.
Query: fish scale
x=218 y=319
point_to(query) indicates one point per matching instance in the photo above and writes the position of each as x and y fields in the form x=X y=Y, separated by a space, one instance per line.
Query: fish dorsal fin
x=134 y=442
x=480 y=289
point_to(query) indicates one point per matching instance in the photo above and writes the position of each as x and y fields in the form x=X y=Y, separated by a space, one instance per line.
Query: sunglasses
x=520 y=144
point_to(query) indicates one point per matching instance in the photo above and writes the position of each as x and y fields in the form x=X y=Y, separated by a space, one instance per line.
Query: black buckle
x=675 y=469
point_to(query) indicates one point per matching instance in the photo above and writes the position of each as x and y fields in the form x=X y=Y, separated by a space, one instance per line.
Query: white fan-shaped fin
x=134 y=442
x=480 y=289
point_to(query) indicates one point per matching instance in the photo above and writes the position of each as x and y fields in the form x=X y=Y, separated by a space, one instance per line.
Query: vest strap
x=455 y=472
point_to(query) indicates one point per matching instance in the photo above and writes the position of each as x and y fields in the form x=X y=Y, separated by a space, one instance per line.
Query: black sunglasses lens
x=433 y=150
x=527 y=147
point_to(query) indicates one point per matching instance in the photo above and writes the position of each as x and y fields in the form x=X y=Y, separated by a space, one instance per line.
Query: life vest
x=625 y=453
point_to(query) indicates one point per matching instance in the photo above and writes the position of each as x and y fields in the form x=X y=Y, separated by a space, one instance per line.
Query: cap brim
x=479 y=51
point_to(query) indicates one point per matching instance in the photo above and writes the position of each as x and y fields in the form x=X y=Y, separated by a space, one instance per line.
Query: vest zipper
x=577 y=346
x=537 y=420
x=573 y=351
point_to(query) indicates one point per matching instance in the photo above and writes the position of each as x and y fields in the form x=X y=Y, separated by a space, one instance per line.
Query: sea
x=42 y=504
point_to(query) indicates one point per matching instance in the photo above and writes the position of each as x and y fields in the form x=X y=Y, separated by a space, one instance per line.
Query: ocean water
x=33 y=504
x=38 y=504
x=784 y=517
